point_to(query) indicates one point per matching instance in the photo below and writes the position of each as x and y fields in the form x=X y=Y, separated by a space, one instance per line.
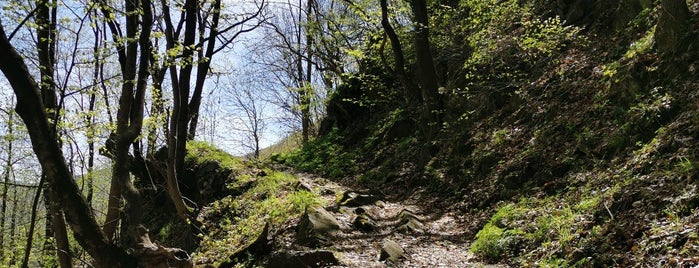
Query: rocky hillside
x=271 y=216
x=569 y=135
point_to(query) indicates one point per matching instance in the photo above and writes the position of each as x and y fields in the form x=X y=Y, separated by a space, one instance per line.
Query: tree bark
x=90 y=118
x=135 y=71
x=46 y=38
x=135 y=67
x=177 y=138
x=412 y=95
x=60 y=233
x=78 y=214
x=426 y=72
x=306 y=86
x=673 y=26
x=113 y=207
x=203 y=70
x=6 y=178
x=157 y=108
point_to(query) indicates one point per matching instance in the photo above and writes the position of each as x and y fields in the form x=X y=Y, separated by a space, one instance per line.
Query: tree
x=181 y=48
x=46 y=43
x=288 y=56
x=17 y=214
x=31 y=108
x=426 y=72
x=134 y=66
x=306 y=88
x=250 y=119
x=673 y=25
x=7 y=171
x=423 y=95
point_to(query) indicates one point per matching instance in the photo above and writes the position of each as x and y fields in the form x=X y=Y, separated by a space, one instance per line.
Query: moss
x=232 y=222
x=539 y=230
x=200 y=152
x=497 y=239
x=494 y=243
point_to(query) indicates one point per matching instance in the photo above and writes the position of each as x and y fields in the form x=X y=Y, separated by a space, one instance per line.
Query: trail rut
x=439 y=238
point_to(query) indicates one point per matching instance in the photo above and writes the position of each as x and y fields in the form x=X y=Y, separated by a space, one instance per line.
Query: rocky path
x=366 y=230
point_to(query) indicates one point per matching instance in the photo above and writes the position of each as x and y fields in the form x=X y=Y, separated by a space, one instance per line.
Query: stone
x=409 y=222
x=303 y=259
x=364 y=223
x=259 y=246
x=315 y=227
x=391 y=251
x=354 y=199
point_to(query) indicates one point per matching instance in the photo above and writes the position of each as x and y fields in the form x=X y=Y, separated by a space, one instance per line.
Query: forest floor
x=439 y=236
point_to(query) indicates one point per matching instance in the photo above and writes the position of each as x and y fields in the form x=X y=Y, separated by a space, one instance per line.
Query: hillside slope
x=574 y=134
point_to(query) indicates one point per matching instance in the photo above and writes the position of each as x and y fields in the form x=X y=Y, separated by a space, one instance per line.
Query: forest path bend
x=429 y=236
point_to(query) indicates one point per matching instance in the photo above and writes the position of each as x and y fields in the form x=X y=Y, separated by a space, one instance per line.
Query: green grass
x=234 y=222
x=286 y=145
x=541 y=230
x=200 y=152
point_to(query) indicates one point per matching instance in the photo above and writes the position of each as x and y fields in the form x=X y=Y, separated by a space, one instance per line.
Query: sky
x=222 y=123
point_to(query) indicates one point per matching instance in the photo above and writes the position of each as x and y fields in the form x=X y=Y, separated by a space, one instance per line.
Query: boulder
x=391 y=251
x=302 y=259
x=315 y=227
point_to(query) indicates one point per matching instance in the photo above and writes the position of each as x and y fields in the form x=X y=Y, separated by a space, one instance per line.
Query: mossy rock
x=409 y=222
x=364 y=223
x=315 y=227
x=391 y=251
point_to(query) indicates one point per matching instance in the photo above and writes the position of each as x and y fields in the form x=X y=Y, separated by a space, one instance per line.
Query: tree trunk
x=6 y=178
x=90 y=118
x=426 y=72
x=203 y=70
x=90 y=149
x=78 y=214
x=112 y=218
x=157 y=110
x=46 y=38
x=673 y=26
x=307 y=88
x=177 y=138
x=55 y=228
x=32 y=224
x=412 y=95
x=60 y=233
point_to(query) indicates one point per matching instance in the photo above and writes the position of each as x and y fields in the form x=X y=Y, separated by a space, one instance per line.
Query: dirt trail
x=437 y=240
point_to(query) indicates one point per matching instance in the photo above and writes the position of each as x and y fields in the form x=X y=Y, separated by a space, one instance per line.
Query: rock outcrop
x=315 y=227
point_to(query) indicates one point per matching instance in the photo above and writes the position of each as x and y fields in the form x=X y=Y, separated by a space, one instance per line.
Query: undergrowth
x=232 y=222
x=199 y=152
x=323 y=155
x=578 y=141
